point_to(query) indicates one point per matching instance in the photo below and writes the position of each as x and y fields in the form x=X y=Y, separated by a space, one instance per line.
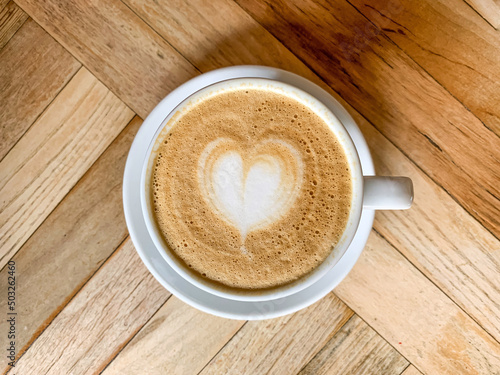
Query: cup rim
x=305 y=281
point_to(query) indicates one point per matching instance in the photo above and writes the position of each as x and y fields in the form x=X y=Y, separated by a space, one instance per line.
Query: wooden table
x=421 y=78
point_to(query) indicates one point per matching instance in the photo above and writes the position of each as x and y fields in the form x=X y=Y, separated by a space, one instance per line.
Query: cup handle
x=387 y=193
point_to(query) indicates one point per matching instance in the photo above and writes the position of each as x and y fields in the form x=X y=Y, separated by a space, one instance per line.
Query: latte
x=250 y=188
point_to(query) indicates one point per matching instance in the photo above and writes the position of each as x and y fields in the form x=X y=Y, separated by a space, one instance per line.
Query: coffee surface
x=250 y=188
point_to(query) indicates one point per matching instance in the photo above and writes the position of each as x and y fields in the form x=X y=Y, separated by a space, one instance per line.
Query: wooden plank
x=441 y=239
x=116 y=46
x=425 y=326
x=488 y=9
x=196 y=337
x=71 y=244
x=177 y=340
x=452 y=43
x=221 y=34
x=283 y=345
x=411 y=370
x=35 y=68
x=52 y=156
x=388 y=88
x=356 y=349
x=11 y=19
x=99 y=321
x=460 y=250
x=3 y=3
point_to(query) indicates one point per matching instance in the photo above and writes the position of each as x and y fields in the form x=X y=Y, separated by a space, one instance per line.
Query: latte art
x=253 y=188
x=250 y=188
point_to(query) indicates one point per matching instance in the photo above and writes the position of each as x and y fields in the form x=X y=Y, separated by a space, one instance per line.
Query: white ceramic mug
x=370 y=192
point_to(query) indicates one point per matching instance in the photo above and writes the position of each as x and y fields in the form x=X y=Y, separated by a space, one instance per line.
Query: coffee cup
x=367 y=192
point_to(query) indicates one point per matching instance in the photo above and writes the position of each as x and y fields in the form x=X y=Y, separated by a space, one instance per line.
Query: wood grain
x=279 y=346
x=99 y=321
x=356 y=349
x=488 y=9
x=177 y=340
x=116 y=46
x=452 y=43
x=411 y=370
x=444 y=255
x=388 y=88
x=11 y=19
x=435 y=334
x=52 y=156
x=34 y=70
x=71 y=244
x=441 y=239
x=224 y=35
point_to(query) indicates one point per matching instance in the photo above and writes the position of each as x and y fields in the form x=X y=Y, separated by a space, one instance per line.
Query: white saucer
x=160 y=269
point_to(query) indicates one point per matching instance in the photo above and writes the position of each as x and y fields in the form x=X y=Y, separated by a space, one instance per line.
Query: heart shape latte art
x=250 y=189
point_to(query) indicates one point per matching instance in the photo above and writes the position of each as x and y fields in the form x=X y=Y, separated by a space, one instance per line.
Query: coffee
x=250 y=188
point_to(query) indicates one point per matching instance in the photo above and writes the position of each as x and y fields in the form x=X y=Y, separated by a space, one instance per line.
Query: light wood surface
x=54 y=154
x=450 y=41
x=35 y=68
x=101 y=319
x=488 y=9
x=177 y=340
x=411 y=370
x=11 y=19
x=276 y=346
x=421 y=80
x=356 y=349
x=435 y=334
x=84 y=229
x=226 y=35
x=116 y=46
x=441 y=239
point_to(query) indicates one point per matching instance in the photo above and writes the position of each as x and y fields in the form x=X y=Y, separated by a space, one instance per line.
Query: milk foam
x=250 y=187
x=254 y=191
